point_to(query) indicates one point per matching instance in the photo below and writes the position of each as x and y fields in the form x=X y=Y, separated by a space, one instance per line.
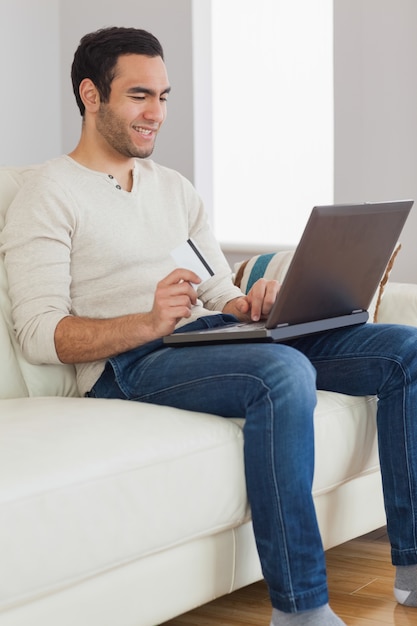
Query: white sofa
x=122 y=513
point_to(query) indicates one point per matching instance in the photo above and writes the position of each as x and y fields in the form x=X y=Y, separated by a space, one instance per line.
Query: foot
x=405 y=587
x=323 y=616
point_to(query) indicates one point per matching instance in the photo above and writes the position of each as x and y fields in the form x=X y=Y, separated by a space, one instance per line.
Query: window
x=272 y=117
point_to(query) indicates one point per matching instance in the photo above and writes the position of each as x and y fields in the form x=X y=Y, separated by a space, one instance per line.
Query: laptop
x=332 y=278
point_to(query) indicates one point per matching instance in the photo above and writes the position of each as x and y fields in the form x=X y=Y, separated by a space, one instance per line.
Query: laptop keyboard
x=240 y=325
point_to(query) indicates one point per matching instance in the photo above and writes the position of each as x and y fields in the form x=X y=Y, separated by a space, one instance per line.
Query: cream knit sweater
x=76 y=244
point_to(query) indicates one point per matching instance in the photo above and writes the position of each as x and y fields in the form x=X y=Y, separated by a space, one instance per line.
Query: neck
x=121 y=168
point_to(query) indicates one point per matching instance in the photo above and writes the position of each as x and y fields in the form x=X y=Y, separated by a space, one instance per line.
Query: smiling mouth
x=146 y=132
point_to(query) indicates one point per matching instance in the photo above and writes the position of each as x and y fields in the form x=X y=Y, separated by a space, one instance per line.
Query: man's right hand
x=174 y=298
x=82 y=339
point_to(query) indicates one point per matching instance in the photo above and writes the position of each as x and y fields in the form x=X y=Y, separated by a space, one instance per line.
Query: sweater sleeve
x=37 y=260
x=217 y=291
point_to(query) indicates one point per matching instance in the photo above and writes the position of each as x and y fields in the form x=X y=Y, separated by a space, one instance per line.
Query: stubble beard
x=113 y=130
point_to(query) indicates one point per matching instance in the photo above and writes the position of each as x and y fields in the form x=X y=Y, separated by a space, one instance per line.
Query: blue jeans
x=274 y=387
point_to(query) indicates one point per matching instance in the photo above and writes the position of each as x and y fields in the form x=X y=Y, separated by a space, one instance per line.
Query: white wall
x=30 y=107
x=375 y=90
x=168 y=20
x=38 y=115
x=203 y=105
x=375 y=48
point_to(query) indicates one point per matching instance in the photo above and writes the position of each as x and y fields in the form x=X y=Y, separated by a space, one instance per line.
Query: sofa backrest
x=18 y=377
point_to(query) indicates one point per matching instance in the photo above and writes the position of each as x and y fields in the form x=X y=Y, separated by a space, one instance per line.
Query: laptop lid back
x=339 y=261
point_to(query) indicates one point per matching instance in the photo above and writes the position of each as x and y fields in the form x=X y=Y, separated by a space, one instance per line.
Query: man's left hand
x=257 y=303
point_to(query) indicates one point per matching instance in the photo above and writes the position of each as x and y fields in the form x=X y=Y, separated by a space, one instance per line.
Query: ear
x=89 y=95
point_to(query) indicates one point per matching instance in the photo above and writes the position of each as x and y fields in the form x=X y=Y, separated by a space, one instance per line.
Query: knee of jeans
x=286 y=387
x=412 y=353
x=288 y=370
x=405 y=350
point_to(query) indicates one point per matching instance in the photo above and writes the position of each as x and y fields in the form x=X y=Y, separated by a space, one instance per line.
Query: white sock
x=323 y=616
x=405 y=586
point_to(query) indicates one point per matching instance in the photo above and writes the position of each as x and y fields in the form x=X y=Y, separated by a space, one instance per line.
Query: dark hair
x=97 y=55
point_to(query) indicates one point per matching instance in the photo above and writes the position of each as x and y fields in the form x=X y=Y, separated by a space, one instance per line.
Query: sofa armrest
x=399 y=304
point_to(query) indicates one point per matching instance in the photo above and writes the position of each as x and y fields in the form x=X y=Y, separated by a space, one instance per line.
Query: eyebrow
x=150 y=92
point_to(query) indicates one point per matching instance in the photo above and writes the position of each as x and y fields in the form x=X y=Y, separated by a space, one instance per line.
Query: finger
x=271 y=292
x=257 y=298
x=181 y=274
x=180 y=308
x=262 y=297
x=181 y=300
x=183 y=288
x=171 y=310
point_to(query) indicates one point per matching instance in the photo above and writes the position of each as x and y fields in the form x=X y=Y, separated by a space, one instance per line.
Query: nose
x=156 y=110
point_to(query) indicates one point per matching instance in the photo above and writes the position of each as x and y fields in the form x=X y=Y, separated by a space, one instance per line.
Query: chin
x=142 y=153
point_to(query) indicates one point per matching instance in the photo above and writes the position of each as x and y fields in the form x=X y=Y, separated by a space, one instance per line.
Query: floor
x=360 y=585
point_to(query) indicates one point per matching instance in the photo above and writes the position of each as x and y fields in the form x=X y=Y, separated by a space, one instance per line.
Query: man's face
x=136 y=110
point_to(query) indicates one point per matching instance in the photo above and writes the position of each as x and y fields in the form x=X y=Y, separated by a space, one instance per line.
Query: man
x=87 y=248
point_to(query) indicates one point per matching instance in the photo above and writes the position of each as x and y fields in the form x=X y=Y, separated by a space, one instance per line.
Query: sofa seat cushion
x=88 y=485
x=345 y=439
